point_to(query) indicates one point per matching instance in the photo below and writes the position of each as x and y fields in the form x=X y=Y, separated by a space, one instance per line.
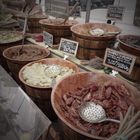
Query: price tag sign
x=57 y=8
x=119 y=61
x=115 y=12
x=68 y=46
x=48 y=38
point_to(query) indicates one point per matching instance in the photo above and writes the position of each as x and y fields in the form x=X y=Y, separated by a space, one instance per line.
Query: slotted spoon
x=94 y=113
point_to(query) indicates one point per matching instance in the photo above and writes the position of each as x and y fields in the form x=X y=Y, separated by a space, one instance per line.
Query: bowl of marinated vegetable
x=39 y=77
x=114 y=95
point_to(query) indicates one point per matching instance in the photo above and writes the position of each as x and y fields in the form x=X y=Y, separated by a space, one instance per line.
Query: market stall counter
x=20 y=118
x=94 y=65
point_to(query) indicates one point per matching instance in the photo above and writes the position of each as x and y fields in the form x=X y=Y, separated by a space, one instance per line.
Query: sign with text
x=115 y=12
x=119 y=61
x=57 y=8
x=48 y=38
x=68 y=46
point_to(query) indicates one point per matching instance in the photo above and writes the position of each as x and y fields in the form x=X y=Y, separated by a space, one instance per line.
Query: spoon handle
x=111 y=120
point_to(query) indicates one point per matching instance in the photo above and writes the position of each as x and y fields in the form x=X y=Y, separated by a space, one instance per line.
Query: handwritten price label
x=115 y=12
x=119 y=61
x=68 y=46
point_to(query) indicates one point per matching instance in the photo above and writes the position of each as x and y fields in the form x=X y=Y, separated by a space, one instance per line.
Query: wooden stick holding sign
x=119 y=61
x=69 y=47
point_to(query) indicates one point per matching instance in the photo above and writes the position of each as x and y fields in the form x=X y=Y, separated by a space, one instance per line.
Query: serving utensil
x=94 y=113
x=25 y=26
x=52 y=71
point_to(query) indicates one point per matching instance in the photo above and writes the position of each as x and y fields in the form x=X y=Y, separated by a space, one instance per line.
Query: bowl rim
x=20 y=37
x=92 y=36
x=63 y=119
x=121 y=37
x=57 y=25
x=41 y=61
x=46 y=50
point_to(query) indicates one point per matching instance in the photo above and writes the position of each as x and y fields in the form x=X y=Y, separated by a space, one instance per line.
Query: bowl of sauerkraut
x=40 y=76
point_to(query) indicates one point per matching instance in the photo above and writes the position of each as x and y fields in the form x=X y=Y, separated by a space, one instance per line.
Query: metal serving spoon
x=52 y=71
x=94 y=113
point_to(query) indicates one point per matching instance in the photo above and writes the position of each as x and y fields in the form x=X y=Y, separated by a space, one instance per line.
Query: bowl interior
x=131 y=41
x=71 y=83
x=10 y=36
x=29 y=53
x=83 y=29
x=49 y=61
x=57 y=22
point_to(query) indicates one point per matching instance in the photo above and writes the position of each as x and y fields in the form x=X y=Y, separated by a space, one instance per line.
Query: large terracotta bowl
x=41 y=95
x=79 y=80
x=33 y=21
x=127 y=45
x=93 y=45
x=30 y=53
x=7 y=40
x=58 y=28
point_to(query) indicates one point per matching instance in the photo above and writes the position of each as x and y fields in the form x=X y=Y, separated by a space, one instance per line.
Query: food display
x=33 y=20
x=96 y=63
x=57 y=22
x=96 y=32
x=133 y=41
x=58 y=28
x=26 y=52
x=9 y=36
x=39 y=78
x=113 y=94
x=130 y=44
x=19 y=55
x=43 y=75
